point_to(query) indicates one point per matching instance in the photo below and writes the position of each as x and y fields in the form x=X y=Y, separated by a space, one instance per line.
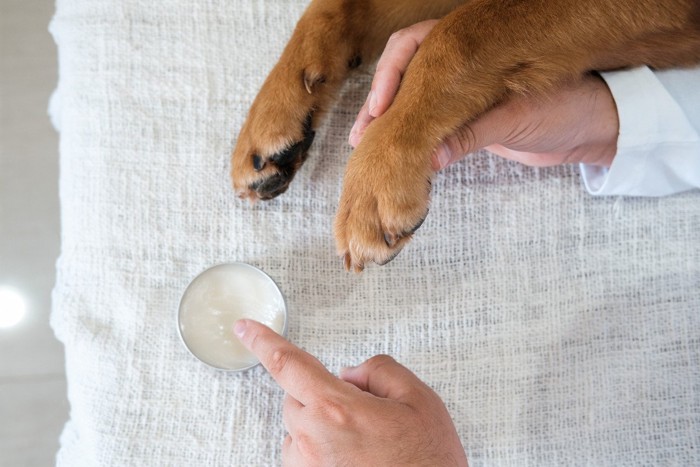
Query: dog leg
x=473 y=59
x=331 y=38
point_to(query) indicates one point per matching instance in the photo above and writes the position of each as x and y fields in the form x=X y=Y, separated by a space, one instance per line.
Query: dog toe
x=258 y=163
x=266 y=176
x=383 y=202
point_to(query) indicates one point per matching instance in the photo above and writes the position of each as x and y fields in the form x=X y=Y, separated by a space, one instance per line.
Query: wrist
x=603 y=123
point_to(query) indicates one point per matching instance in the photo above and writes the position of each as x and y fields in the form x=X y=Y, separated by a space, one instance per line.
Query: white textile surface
x=560 y=329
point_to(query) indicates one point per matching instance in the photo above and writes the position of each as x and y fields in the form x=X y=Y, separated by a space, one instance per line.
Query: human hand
x=378 y=413
x=576 y=123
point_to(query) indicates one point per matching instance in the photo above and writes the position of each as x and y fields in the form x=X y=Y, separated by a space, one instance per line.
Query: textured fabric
x=559 y=328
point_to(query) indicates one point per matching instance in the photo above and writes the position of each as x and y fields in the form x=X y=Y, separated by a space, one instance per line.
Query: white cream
x=215 y=300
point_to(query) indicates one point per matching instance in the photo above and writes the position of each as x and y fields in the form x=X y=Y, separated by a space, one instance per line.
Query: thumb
x=384 y=377
x=486 y=130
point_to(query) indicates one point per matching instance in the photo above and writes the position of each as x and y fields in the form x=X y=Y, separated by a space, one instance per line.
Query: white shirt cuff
x=658 y=149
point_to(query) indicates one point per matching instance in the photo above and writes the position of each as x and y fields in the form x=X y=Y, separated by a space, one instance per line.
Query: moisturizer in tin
x=215 y=300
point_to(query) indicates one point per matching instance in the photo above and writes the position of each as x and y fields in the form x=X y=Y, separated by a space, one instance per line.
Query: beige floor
x=33 y=405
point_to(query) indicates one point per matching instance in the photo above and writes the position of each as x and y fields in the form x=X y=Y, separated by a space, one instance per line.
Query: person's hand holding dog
x=578 y=123
x=378 y=413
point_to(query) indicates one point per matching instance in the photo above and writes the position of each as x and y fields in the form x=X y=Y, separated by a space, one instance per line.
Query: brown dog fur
x=478 y=54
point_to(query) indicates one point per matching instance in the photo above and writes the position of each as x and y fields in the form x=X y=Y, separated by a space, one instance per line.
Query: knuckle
x=306 y=447
x=380 y=360
x=398 y=36
x=335 y=412
x=279 y=360
x=286 y=442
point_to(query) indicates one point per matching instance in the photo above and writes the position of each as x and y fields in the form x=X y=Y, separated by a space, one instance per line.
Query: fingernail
x=372 y=103
x=353 y=135
x=239 y=328
x=443 y=155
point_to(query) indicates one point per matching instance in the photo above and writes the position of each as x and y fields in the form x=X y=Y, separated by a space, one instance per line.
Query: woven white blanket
x=559 y=329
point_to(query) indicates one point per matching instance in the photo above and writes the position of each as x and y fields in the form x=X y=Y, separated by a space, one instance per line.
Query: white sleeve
x=658 y=148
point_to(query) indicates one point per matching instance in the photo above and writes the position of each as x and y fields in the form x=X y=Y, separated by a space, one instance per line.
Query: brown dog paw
x=260 y=172
x=279 y=130
x=385 y=199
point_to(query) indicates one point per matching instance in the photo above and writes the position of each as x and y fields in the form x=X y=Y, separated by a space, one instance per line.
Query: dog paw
x=385 y=199
x=264 y=162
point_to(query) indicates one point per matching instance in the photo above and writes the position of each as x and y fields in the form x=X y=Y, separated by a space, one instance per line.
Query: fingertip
x=353 y=137
x=383 y=92
x=361 y=122
x=353 y=375
x=356 y=137
x=441 y=157
x=248 y=331
x=373 y=101
x=374 y=105
x=239 y=328
x=346 y=372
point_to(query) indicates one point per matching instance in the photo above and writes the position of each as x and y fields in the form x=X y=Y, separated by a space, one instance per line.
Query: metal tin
x=244 y=266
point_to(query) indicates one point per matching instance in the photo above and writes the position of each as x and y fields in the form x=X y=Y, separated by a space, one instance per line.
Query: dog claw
x=356 y=267
x=347 y=261
x=392 y=240
x=390 y=258
x=355 y=62
x=413 y=229
x=312 y=79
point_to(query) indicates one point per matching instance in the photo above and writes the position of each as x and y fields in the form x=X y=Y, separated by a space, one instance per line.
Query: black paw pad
x=258 y=163
x=354 y=62
x=271 y=187
x=309 y=133
x=286 y=163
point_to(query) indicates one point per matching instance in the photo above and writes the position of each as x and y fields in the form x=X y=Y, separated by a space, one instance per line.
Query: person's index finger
x=299 y=373
x=393 y=62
